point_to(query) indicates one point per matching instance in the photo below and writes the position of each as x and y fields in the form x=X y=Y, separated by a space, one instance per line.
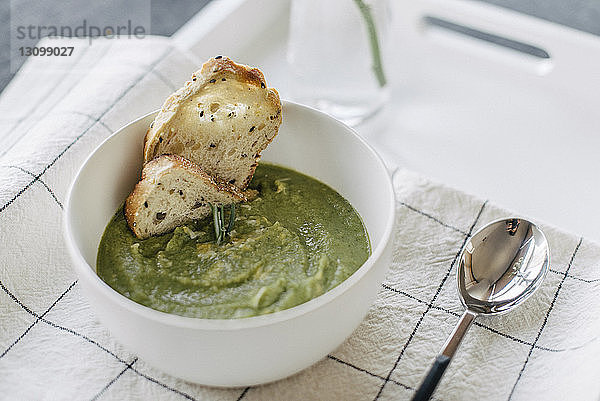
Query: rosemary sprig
x=222 y=228
x=231 y=218
x=365 y=10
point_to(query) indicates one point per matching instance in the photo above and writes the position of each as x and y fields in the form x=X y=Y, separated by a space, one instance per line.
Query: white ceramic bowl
x=248 y=351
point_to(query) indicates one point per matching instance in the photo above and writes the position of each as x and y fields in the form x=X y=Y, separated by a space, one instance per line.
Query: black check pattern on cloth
x=545 y=318
x=42 y=99
x=430 y=304
x=72 y=85
x=50 y=191
x=385 y=380
x=131 y=365
x=40 y=318
x=110 y=383
x=37 y=177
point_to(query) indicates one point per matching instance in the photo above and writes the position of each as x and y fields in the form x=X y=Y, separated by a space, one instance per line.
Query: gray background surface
x=168 y=15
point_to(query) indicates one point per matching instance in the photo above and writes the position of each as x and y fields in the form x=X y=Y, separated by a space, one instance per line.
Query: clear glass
x=332 y=61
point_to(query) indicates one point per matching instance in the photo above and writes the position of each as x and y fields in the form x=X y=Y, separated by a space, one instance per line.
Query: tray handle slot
x=432 y=22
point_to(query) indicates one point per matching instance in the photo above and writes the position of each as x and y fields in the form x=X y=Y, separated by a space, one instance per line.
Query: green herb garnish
x=222 y=228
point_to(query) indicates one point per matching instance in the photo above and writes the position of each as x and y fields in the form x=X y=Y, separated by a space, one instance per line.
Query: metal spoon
x=501 y=265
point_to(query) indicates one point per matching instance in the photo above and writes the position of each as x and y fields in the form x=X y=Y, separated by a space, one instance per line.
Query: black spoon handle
x=432 y=379
x=442 y=361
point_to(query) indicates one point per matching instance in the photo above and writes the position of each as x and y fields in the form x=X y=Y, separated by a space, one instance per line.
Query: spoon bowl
x=500 y=266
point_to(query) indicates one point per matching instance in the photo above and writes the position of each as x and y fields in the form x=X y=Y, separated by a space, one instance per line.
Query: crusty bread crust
x=236 y=143
x=193 y=177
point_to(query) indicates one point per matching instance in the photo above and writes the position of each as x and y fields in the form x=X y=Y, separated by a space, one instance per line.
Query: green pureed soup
x=298 y=239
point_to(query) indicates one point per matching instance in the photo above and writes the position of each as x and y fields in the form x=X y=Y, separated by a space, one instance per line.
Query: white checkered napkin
x=52 y=347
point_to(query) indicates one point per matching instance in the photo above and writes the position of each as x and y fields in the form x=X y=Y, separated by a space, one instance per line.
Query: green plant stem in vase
x=365 y=11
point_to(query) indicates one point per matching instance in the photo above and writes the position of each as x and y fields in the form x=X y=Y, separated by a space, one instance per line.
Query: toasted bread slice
x=221 y=120
x=173 y=191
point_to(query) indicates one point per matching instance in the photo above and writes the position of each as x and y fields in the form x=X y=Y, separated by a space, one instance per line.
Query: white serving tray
x=521 y=131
